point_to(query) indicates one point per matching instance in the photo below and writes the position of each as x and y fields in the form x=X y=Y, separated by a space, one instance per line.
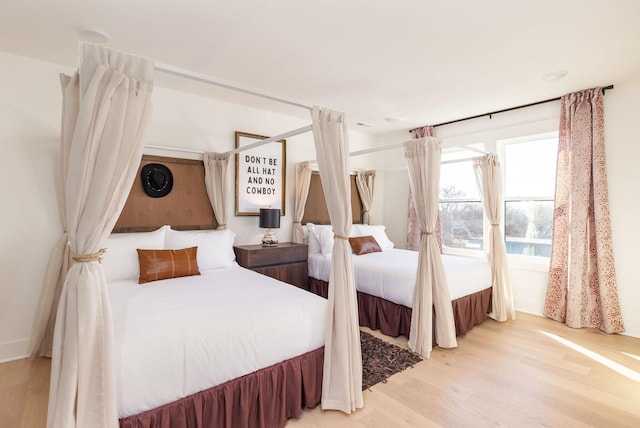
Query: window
x=461 y=214
x=529 y=187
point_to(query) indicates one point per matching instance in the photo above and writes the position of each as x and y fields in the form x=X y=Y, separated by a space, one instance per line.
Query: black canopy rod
x=605 y=88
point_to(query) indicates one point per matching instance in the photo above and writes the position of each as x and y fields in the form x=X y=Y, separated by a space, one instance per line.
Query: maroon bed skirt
x=395 y=320
x=265 y=399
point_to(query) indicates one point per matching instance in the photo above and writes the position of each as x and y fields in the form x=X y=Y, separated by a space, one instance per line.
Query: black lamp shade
x=270 y=218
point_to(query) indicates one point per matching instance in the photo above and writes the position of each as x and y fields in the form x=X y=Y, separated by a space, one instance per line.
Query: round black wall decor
x=157 y=180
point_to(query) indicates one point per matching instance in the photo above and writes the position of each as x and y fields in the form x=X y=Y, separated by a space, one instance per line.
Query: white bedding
x=179 y=336
x=391 y=274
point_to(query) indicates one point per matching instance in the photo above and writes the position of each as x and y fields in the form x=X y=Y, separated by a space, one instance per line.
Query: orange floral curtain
x=582 y=289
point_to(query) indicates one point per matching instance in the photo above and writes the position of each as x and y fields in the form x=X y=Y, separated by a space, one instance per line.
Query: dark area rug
x=381 y=360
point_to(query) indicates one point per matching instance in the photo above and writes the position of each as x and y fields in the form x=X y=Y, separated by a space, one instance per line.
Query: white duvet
x=176 y=337
x=391 y=274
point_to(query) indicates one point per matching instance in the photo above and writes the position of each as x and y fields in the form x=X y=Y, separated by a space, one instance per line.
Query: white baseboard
x=529 y=306
x=632 y=328
x=15 y=350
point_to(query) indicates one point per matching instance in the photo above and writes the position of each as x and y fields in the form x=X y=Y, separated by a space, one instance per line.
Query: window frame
x=537 y=263
x=463 y=251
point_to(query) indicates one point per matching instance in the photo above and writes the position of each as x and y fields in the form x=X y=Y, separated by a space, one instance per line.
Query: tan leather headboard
x=187 y=206
x=315 y=211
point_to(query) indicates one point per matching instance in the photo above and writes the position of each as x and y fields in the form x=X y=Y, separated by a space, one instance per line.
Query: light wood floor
x=511 y=374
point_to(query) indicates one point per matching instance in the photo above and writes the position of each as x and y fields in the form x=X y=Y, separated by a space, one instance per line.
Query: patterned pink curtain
x=582 y=289
x=414 y=231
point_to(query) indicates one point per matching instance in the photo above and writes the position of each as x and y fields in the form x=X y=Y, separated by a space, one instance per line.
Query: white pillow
x=321 y=238
x=215 y=247
x=377 y=231
x=325 y=237
x=314 y=244
x=120 y=261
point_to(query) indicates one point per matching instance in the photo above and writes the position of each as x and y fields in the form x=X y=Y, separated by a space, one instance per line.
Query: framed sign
x=260 y=175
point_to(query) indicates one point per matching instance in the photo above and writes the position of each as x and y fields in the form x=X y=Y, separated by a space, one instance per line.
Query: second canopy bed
x=385 y=282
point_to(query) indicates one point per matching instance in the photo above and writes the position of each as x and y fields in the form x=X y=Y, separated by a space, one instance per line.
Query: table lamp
x=269 y=219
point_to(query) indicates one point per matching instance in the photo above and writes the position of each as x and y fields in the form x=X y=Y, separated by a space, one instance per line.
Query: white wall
x=30 y=100
x=622 y=111
x=622 y=114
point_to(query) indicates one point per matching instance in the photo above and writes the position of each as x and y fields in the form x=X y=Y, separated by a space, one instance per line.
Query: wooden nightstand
x=286 y=262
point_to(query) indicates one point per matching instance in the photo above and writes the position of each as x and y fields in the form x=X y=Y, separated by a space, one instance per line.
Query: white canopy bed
x=389 y=282
x=106 y=107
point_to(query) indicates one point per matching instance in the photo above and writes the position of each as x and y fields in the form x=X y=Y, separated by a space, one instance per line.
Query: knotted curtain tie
x=86 y=258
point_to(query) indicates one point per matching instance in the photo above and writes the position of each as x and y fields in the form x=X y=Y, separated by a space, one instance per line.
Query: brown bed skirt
x=263 y=399
x=395 y=320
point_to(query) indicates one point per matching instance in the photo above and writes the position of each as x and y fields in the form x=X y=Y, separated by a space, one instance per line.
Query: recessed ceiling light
x=555 y=75
x=392 y=119
x=94 y=34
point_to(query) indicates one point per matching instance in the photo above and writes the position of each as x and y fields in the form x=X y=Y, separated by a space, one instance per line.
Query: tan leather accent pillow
x=364 y=245
x=165 y=264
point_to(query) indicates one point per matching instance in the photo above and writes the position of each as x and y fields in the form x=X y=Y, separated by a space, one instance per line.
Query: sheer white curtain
x=303 y=179
x=365 y=181
x=431 y=291
x=342 y=377
x=59 y=262
x=216 y=167
x=414 y=232
x=106 y=105
x=488 y=178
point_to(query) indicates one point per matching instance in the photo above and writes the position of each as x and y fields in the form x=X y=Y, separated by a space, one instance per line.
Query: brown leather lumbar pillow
x=364 y=244
x=165 y=264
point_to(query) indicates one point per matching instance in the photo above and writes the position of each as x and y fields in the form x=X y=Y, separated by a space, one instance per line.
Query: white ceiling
x=423 y=61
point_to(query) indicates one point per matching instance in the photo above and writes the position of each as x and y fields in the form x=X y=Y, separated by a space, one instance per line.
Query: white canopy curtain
x=431 y=291
x=303 y=179
x=582 y=290
x=342 y=377
x=414 y=233
x=56 y=273
x=489 y=180
x=365 y=181
x=216 y=167
x=106 y=105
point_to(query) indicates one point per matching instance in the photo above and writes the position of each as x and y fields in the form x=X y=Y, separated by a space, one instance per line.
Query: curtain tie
x=222 y=225
x=86 y=258
x=427 y=233
x=297 y=222
x=495 y=224
x=336 y=236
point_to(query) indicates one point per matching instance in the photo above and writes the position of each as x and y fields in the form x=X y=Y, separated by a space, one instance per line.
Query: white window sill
x=515 y=261
x=536 y=264
x=476 y=254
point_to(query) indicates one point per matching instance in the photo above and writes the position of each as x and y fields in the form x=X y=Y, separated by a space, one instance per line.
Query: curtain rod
x=401 y=168
x=604 y=89
x=239 y=149
x=176 y=71
x=271 y=139
x=398 y=145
